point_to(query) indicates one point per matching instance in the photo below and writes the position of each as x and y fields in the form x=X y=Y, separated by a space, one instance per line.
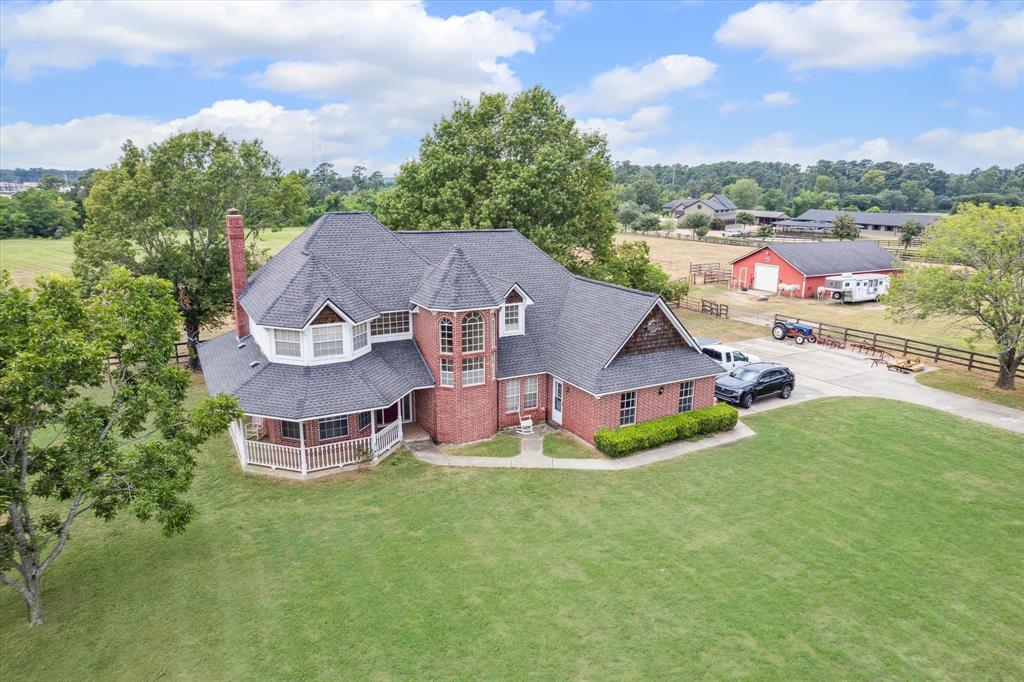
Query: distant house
x=716 y=206
x=820 y=219
x=808 y=264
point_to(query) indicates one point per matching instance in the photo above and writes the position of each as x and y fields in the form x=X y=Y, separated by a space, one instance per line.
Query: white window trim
x=273 y=342
x=392 y=337
x=521 y=329
x=312 y=344
x=482 y=370
x=442 y=373
x=508 y=396
x=535 y=393
x=693 y=391
x=634 y=408
x=463 y=335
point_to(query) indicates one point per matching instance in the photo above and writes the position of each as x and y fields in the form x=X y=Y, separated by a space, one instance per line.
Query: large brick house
x=353 y=330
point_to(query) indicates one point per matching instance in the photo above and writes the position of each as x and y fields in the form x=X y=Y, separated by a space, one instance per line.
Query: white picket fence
x=316 y=457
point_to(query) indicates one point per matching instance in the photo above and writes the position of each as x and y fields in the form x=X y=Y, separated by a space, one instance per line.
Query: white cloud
x=860 y=34
x=571 y=6
x=393 y=61
x=948 y=149
x=779 y=98
x=298 y=137
x=643 y=123
x=730 y=106
x=623 y=87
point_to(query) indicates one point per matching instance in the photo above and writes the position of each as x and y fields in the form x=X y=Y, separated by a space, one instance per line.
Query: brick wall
x=457 y=414
x=538 y=414
x=311 y=430
x=584 y=414
x=235 y=227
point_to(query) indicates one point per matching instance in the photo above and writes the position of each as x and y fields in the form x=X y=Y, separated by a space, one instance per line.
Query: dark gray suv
x=748 y=383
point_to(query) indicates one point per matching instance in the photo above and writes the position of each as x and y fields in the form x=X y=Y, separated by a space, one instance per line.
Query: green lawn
x=723 y=329
x=980 y=385
x=848 y=539
x=29 y=258
x=499 y=446
x=564 y=446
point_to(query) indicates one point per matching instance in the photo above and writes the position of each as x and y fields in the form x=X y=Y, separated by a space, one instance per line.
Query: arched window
x=472 y=333
x=447 y=336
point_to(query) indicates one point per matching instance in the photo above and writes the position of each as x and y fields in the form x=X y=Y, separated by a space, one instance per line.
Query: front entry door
x=557 y=392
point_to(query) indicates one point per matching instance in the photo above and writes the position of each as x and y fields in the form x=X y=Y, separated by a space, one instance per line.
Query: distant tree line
x=851 y=185
x=51 y=209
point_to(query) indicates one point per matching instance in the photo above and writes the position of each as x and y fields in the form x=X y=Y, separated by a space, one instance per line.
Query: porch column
x=373 y=434
x=302 y=448
x=243 y=442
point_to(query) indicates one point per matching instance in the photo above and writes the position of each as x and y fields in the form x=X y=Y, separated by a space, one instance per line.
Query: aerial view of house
x=807 y=265
x=354 y=333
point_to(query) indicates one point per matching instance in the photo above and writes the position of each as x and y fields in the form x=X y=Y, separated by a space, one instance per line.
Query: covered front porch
x=305 y=447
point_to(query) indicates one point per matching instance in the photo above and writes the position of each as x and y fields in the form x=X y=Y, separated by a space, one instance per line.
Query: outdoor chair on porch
x=525 y=425
x=255 y=429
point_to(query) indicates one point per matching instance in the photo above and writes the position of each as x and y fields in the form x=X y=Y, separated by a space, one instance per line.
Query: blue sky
x=687 y=82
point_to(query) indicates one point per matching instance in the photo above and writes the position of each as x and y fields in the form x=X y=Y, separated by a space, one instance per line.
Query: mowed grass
x=675 y=255
x=848 y=539
x=981 y=385
x=499 y=446
x=29 y=258
x=723 y=329
x=564 y=446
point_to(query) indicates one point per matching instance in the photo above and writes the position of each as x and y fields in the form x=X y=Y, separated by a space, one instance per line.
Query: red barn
x=807 y=264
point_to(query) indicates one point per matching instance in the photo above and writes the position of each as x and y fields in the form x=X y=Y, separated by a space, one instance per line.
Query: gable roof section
x=720 y=202
x=349 y=259
x=454 y=284
x=867 y=217
x=831 y=258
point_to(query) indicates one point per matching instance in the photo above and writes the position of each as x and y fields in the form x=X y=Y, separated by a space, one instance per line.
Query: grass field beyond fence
x=895 y=556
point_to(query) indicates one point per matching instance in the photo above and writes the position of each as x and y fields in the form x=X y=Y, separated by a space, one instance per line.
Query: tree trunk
x=1009 y=361
x=192 y=336
x=34 y=601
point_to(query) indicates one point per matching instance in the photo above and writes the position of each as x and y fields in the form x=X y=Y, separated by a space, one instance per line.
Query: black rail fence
x=701 y=305
x=180 y=356
x=877 y=342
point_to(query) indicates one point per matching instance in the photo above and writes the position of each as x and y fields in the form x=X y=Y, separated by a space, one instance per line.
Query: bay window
x=328 y=340
x=288 y=343
x=472 y=371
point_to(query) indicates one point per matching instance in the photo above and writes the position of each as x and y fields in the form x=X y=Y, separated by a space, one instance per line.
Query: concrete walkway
x=531 y=455
x=824 y=372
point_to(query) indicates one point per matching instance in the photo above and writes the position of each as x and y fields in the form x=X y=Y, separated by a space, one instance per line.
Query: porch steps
x=414 y=433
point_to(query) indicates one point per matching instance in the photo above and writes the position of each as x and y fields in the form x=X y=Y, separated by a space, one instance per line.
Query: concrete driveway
x=823 y=372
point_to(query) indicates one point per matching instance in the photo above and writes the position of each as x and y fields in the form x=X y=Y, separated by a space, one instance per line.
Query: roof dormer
x=512 y=321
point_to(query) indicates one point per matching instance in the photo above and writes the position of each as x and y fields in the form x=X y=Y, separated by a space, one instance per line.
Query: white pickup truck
x=728 y=357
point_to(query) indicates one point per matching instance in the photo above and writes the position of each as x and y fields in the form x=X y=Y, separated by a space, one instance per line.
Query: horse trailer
x=850 y=288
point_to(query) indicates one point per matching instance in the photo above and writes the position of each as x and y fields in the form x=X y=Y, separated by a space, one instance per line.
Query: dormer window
x=360 y=336
x=328 y=340
x=512 y=318
x=288 y=343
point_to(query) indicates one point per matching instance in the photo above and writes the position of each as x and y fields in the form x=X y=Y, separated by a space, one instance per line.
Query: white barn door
x=766 y=277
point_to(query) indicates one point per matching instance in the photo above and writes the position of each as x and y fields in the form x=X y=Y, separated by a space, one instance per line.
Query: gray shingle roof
x=454 y=284
x=375 y=380
x=574 y=326
x=867 y=217
x=833 y=258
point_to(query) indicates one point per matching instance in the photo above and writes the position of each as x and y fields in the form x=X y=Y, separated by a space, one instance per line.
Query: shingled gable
x=656 y=332
x=454 y=284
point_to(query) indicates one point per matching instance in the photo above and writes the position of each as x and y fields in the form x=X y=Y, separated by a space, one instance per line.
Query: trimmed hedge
x=626 y=440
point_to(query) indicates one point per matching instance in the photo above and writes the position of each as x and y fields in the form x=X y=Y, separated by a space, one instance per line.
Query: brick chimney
x=235 y=226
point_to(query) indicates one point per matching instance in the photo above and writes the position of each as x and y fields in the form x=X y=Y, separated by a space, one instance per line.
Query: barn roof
x=830 y=258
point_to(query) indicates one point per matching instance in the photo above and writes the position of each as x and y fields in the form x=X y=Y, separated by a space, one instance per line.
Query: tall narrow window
x=288 y=343
x=360 y=336
x=447 y=333
x=447 y=372
x=627 y=408
x=511 y=319
x=472 y=333
x=512 y=396
x=530 y=393
x=328 y=340
x=290 y=430
x=472 y=371
x=686 y=396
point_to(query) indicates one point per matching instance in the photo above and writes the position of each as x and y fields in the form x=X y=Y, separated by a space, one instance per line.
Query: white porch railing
x=315 y=457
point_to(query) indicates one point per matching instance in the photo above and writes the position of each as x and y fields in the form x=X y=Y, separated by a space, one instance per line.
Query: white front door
x=557 y=391
x=766 y=277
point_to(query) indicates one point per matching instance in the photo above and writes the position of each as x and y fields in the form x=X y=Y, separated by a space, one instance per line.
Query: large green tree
x=517 y=162
x=647 y=193
x=160 y=211
x=79 y=435
x=745 y=193
x=844 y=227
x=987 y=285
x=37 y=212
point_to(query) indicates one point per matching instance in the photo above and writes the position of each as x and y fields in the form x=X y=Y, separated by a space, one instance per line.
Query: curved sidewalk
x=531 y=456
